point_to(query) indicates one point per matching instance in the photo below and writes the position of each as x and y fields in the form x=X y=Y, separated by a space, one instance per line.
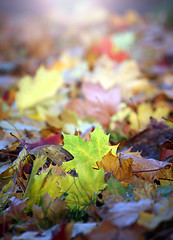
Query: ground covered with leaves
x=86 y=128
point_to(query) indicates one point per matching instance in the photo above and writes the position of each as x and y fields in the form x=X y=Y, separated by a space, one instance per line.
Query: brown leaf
x=124 y=214
x=15 y=210
x=109 y=162
x=166 y=175
x=166 y=151
x=53 y=211
x=148 y=140
x=120 y=168
x=104 y=231
x=124 y=174
x=63 y=231
x=3 y=114
x=145 y=168
x=143 y=189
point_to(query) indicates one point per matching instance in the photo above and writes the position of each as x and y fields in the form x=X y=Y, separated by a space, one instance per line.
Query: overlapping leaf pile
x=86 y=145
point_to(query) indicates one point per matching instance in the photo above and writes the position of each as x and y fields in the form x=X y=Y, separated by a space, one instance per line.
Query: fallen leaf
x=66 y=117
x=86 y=153
x=166 y=151
x=15 y=210
x=41 y=184
x=145 y=168
x=162 y=211
x=125 y=75
x=111 y=48
x=50 y=212
x=116 y=188
x=96 y=103
x=142 y=189
x=32 y=91
x=147 y=141
x=124 y=214
x=140 y=119
x=38 y=162
x=166 y=175
x=51 y=140
x=3 y=113
x=121 y=168
x=82 y=191
x=63 y=231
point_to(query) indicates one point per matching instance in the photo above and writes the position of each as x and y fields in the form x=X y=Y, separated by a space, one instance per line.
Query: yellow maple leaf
x=43 y=86
x=140 y=119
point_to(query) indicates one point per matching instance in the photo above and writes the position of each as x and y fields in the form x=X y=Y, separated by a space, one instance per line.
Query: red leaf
x=166 y=151
x=52 y=140
x=106 y=47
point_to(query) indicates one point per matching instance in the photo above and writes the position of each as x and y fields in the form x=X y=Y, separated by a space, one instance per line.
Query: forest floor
x=86 y=125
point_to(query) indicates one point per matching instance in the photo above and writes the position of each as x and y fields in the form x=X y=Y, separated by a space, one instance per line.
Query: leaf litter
x=86 y=140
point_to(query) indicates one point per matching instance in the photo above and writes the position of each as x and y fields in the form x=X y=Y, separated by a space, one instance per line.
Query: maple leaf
x=16 y=208
x=145 y=168
x=42 y=184
x=38 y=163
x=50 y=140
x=124 y=214
x=49 y=212
x=125 y=75
x=82 y=190
x=32 y=91
x=143 y=189
x=107 y=47
x=90 y=182
x=140 y=119
x=86 y=153
x=96 y=102
x=121 y=168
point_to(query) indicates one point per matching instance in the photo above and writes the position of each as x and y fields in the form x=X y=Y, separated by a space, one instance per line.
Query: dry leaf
x=124 y=214
x=145 y=168
x=32 y=91
x=96 y=103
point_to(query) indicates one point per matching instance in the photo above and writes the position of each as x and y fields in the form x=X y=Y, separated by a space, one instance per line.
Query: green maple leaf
x=39 y=185
x=42 y=184
x=38 y=163
x=86 y=154
x=82 y=190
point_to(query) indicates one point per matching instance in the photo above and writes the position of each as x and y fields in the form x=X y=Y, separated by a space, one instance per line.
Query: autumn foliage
x=86 y=148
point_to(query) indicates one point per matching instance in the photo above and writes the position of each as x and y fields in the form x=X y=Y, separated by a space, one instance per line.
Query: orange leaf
x=109 y=162
x=121 y=168
x=146 y=168
x=124 y=173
